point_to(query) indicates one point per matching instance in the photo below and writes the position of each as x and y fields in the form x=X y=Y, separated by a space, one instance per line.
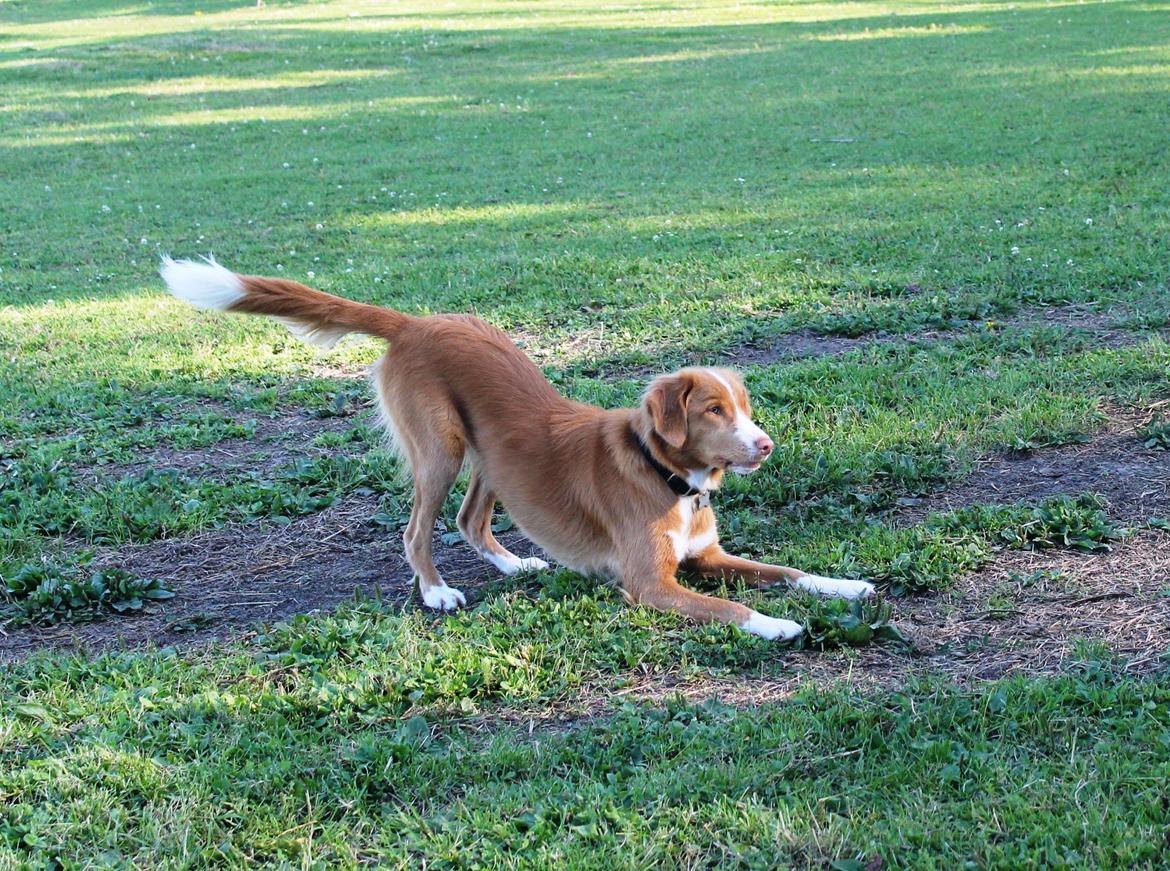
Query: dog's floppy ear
x=666 y=403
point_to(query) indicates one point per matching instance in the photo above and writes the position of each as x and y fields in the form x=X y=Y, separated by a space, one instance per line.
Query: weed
x=1156 y=435
x=1065 y=521
x=45 y=595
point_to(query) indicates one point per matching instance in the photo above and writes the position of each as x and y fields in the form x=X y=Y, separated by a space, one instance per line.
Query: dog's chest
x=693 y=527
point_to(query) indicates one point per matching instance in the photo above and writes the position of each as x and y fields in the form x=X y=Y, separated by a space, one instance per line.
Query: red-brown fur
x=455 y=389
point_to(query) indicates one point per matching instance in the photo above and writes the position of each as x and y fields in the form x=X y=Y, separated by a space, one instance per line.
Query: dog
x=621 y=493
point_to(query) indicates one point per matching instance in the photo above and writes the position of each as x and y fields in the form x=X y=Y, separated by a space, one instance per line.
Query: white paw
x=510 y=564
x=841 y=589
x=772 y=627
x=443 y=598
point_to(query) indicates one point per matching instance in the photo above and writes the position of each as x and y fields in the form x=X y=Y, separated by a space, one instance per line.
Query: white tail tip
x=205 y=285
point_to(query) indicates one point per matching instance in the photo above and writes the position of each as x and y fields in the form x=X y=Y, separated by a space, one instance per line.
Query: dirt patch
x=1105 y=327
x=1029 y=612
x=326 y=368
x=1134 y=479
x=795 y=346
x=1102 y=329
x=247 y=574
x=277 y=441
x=1034 y=613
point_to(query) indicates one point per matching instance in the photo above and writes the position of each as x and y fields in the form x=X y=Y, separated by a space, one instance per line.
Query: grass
x=297 y=756
x=624 y=188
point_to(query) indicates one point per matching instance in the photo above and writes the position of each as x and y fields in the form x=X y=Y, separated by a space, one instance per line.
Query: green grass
x=295 y=754
x=623 y=187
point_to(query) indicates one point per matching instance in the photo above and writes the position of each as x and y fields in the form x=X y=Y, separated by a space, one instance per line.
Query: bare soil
x=278 y=440
x=231 y=579
x=1134 y=479
x=1104 y=326
x=1034 y=613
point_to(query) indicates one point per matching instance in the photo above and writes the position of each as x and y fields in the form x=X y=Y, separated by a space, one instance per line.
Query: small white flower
x=1015 y=249
x=285 y=165
x=1089 y=221
x=106 y=208
x=311 y=274
x=320 y=226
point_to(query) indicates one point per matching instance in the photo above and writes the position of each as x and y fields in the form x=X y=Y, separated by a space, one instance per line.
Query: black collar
x=679 y=485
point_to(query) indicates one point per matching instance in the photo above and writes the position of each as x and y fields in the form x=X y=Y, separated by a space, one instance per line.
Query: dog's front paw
x=510 y=564
x=443 y=598
x=772 y=627
x=841 y=589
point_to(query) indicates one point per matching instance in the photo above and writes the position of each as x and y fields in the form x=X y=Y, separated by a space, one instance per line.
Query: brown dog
x=620 y=493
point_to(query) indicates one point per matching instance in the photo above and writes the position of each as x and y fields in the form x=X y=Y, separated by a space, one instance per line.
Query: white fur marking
x=747 y=431
x=772 y=627
x=687 y=545
x=700 y=479
x=508 y=563
x=702 y=541
x=314 y=334
x=393 y=439
x=443 y=598
x=680 y=537
x=204 y=285
x=722 y=381
x=835 y=587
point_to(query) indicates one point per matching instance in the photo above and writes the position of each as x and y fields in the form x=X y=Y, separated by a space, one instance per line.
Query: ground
x=931 y=236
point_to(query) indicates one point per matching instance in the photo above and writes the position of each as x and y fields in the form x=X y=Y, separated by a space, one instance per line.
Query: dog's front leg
x=656 y=587
x=714 y=562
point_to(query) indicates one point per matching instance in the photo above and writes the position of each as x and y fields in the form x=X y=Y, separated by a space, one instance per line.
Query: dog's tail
x=312 y=315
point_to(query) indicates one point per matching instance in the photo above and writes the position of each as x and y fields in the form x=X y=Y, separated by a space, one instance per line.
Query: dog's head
x=705 y=417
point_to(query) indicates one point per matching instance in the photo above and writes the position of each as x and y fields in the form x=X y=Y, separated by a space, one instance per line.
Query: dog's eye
x=716 y=410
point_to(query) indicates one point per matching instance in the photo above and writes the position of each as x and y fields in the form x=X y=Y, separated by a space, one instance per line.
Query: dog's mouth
x=743 y=468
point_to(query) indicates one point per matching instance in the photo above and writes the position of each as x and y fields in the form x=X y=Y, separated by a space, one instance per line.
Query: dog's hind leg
x=475 y=522
x=434 y=473
x=426 y=432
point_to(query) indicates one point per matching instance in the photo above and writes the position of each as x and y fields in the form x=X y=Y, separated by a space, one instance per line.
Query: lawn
x=932 y=236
